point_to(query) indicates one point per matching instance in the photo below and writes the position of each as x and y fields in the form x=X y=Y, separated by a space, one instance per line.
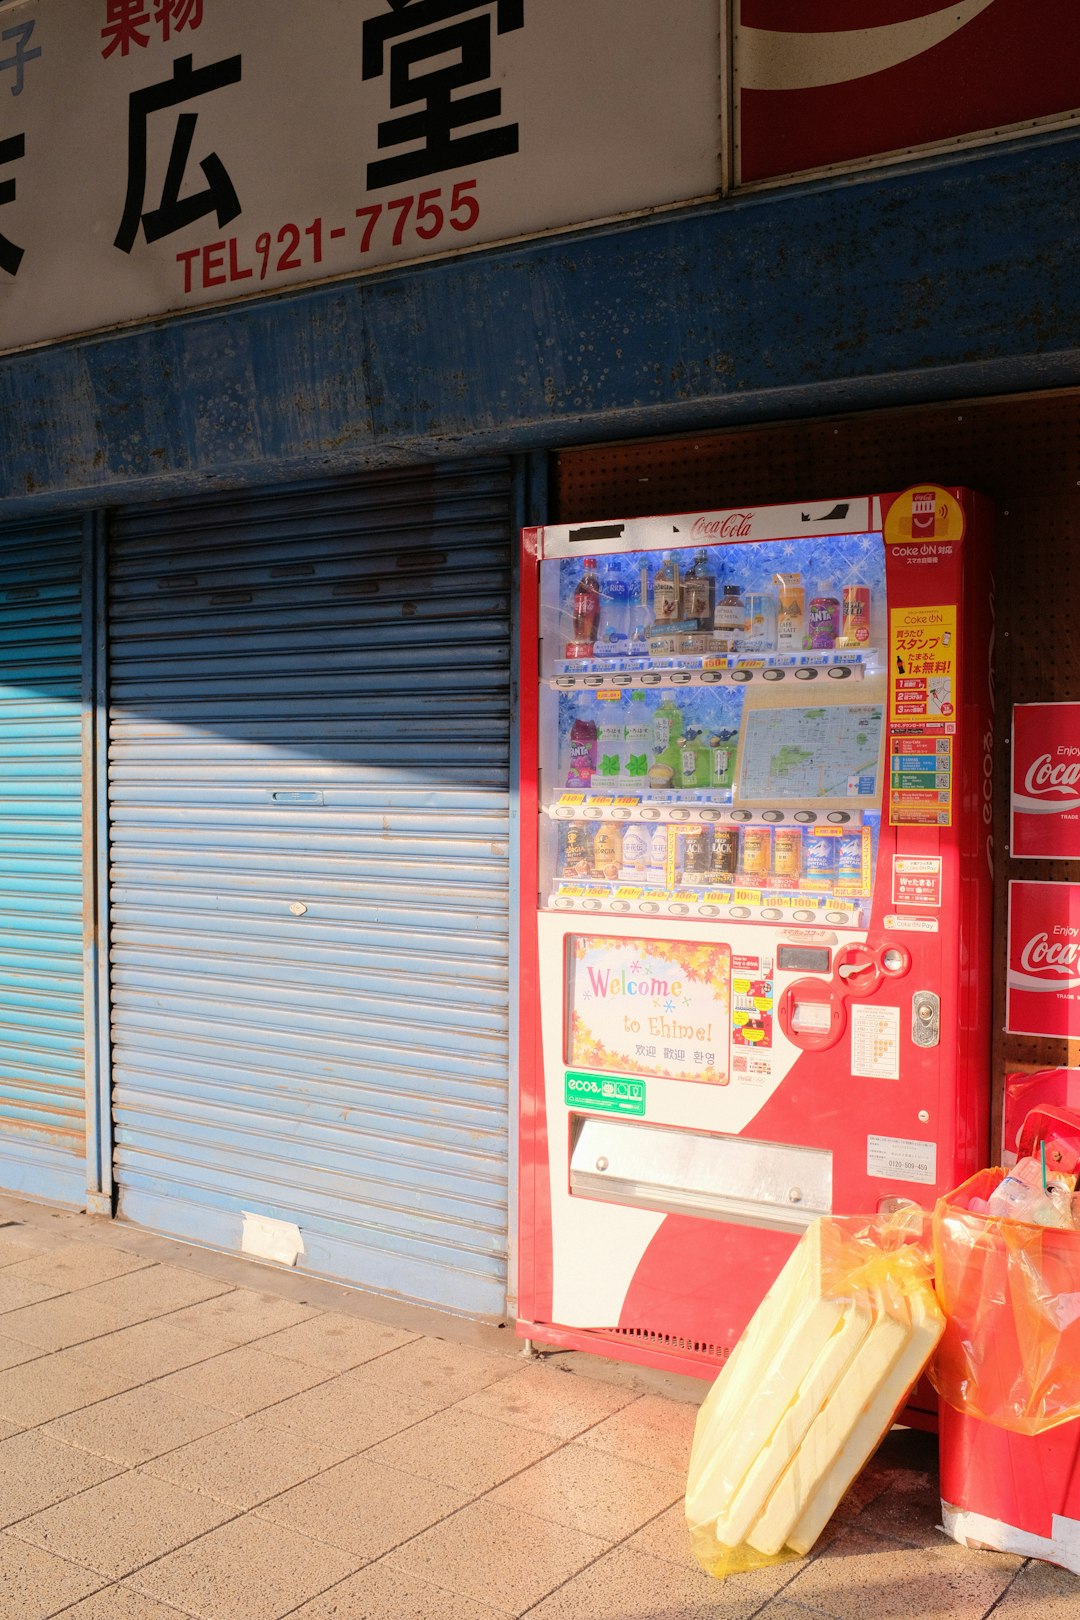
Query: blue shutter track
x=42 y=731
x=308 y=802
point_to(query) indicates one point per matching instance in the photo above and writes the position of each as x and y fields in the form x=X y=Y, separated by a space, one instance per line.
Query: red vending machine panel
x=756 y=893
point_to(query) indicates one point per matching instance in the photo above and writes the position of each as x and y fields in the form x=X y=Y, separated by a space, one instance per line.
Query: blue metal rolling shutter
x=309 y=741
x=42 y=1074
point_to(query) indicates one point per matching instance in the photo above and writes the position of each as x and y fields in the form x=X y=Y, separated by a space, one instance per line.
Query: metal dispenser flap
x=725 y=1178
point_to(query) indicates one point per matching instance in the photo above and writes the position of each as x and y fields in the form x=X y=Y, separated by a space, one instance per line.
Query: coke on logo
x=923 y=514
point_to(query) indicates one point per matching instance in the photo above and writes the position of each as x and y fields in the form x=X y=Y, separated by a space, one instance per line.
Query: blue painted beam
x=942 y=279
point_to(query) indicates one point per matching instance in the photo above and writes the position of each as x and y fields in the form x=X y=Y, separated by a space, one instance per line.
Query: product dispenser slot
x=724 y=1178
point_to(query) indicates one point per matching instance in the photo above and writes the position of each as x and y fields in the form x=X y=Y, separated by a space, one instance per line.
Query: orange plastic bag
x=1010 y=1291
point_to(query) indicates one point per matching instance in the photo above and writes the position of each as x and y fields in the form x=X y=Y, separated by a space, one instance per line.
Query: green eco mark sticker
x=604 y=1094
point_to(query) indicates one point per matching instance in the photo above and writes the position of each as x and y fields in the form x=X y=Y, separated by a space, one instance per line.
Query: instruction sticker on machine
x=875 y=1042
x=922 y=714
x=901 y=1158
x=649 y=1006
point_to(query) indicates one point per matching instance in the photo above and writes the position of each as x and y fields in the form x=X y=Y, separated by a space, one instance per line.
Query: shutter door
x=309 y=747
x=42 y=1076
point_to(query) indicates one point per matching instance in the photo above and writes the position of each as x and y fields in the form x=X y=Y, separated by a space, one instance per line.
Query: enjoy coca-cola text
x=1041 y=954
x=1044 y=777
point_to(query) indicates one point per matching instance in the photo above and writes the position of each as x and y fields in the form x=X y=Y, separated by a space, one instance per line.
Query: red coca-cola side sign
x=1045 y=797
x=1042 y=988
x=824 y=82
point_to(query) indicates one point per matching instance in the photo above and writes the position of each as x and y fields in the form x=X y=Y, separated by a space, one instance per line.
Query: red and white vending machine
x=756 y=897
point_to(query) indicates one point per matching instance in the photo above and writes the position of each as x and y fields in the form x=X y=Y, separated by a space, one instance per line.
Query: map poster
x=649 y=1006
x=811 y=753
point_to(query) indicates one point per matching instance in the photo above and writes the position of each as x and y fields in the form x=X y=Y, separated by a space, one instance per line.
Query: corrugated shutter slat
x=309 y=764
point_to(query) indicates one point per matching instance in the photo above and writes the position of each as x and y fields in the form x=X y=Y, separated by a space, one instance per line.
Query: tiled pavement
x=186 y=1434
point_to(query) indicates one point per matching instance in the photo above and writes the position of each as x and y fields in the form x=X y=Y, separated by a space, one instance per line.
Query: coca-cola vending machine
x=756 y=899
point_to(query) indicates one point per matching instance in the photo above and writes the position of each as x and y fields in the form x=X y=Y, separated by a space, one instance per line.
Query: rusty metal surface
x=933 y=280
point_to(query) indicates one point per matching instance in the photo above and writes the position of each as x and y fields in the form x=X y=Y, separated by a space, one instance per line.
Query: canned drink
x=824 y=621
x=607 y=851
x=849 y=858
x=787 y=852
x=695 y=853
x=576 y=854
x=725 y=854
x=760 y=620
x=757 y=851
x=819 y=856
x=856 y=609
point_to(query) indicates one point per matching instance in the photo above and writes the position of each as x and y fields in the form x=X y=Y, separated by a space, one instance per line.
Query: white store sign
x=156 y=155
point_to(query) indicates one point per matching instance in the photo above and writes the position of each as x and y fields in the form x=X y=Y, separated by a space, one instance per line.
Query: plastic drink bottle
x=582 y=753
x=635 y=851
x=699 y=592
x=656 y=871
x=639 y=617
x=695 y=760
x=637 y=739
x=586 y=605
x=666 y=592
x=760 y=632
x=610 y=738
x=729 y=620
x=722 y=765
x=613 y=633
x=667 y=737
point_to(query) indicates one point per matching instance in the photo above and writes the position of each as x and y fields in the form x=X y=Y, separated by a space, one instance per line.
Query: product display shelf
x=626 y=807
x=814 y=907
x=596 y=675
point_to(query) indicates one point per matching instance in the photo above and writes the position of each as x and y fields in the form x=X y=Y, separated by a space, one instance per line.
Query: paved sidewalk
x=186 y=1434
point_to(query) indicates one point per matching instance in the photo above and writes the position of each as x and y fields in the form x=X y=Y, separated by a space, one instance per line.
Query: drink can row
x=634 y=852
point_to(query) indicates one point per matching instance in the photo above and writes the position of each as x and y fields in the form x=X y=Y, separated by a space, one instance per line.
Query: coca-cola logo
x=1048 y=958
x=732 y=526
x=1044 y=777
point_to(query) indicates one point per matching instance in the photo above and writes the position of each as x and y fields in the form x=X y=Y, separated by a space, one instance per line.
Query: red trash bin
x=1008 y=1367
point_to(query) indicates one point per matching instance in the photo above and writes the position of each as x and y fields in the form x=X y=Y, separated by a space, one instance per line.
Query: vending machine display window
x=713 y=730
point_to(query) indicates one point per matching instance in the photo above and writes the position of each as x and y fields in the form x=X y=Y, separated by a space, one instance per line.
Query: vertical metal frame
x=529 y=503
x=728 y=176
x=95 y=821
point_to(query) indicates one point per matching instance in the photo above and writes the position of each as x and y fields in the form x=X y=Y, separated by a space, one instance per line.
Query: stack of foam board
x=809 y=1391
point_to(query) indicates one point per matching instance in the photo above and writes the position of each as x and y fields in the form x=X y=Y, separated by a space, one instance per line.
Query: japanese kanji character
x=174 y=211
x=21 y=34
x=123 y=21
x=439 y=113
x=10 y=256
x=173 y=15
